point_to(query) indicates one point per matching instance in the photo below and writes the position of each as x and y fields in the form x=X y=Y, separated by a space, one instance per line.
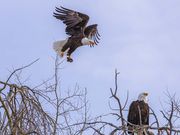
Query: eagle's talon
x=69 y=59
x=91 y=45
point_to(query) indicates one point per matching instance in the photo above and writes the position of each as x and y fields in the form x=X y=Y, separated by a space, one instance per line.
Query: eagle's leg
x=64 y=48
x=70 y=51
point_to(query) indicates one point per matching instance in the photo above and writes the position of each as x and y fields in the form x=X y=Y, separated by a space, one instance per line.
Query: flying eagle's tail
x=58 y=45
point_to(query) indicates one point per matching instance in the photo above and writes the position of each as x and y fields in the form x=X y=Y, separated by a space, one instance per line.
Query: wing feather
x=92 y=32
x=75 y=21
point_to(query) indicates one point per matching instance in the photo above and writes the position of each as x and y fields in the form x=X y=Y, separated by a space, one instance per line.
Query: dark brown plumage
x=75 y=21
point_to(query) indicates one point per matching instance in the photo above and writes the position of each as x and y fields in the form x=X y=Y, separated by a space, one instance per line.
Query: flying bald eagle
x=79 y=34
x=138 y=113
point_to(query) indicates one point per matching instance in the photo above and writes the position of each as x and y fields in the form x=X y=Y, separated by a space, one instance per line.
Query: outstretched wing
x=92 y=33
x=75 y=21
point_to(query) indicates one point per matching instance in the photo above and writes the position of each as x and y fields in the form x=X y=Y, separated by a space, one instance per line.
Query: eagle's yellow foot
x=92 y=44
x=62 y=54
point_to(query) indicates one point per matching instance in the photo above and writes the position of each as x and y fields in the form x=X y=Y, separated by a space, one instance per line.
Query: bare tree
x=45 y=110
x=23 y=109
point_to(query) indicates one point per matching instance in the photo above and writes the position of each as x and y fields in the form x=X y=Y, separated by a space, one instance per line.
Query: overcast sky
x=139 y=38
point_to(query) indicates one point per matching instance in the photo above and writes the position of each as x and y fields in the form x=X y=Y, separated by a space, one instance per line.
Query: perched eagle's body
x=138 y=113
x=76 y=28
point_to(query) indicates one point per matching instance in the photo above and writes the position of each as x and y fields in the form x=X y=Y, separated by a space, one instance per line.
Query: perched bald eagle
x=138 y=113
x=79 y=34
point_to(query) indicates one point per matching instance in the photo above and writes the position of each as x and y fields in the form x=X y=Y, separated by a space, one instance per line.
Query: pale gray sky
x=139 y=38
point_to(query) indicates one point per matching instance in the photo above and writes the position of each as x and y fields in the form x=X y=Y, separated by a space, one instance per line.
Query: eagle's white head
x=87 y=41
x=143 y=97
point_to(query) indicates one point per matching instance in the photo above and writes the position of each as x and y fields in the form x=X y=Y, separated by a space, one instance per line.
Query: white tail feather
x=58 y=45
